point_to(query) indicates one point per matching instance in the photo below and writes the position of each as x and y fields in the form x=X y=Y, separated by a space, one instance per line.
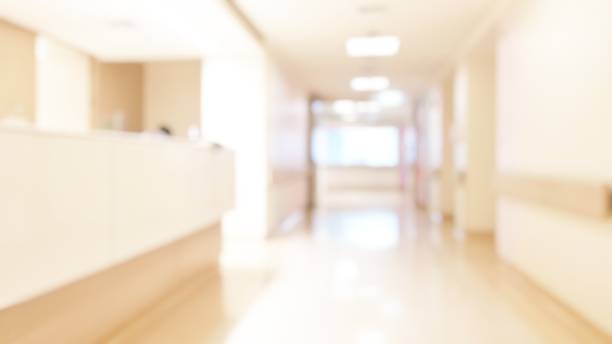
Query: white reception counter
x=72 y=205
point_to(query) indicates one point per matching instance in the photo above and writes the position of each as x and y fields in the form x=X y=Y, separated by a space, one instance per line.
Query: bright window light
x=317 y=107
x=372 y=46
x=344 y=107
x=369 y=83
x=357 y=145
x=368 y=107
x=349 y=110
x=349 y=117
x=391 y=98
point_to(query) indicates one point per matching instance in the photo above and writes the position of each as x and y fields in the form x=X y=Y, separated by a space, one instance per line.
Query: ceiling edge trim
x=234 y=9
x=485 y=27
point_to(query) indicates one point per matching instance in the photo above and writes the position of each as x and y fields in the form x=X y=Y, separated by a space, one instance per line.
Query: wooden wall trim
x=435 y=173
x=363 y=188
x=282 y=177
x=239 y=14
x=592 y=199
x=355 y=168
x=89 y=310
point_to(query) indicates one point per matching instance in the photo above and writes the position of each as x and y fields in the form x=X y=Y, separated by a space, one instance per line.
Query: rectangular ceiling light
x=369 y=83
x=371 y=46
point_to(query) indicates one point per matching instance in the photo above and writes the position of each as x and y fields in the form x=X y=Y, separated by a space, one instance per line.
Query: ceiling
x=126 y=30
x=309 y=37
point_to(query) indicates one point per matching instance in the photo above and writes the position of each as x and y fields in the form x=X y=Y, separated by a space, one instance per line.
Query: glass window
x=356 y=146
x=410 y=146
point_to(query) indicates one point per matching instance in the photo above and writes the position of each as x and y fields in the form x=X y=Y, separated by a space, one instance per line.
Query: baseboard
x=87 y=310
x=517 y=279
x=146 y=323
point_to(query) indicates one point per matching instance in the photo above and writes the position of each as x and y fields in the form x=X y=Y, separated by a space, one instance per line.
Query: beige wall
x=447 y=170
x=287 y=148
x=118 y=96
x=116 y=296
x=474 y=127
x=172 y=95
x=555 y=122
x=437 y=164
x=17 y=70
x=422 y=173
x=113 y=100
x=63 y=87
x=431 y=125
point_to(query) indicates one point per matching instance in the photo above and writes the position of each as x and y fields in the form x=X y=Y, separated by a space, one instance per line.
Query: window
x=356 y=146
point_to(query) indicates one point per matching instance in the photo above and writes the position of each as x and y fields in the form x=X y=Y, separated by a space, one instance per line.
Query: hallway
x=305 y=171
x=365 y=276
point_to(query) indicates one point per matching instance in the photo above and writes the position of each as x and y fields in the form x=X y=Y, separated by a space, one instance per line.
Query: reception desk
x=101 y=226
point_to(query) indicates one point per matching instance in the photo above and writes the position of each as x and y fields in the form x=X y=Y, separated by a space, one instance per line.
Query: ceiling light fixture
x=372 y=46
x=369 y=83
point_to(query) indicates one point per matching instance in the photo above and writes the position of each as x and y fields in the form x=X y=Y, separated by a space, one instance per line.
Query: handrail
x=593 y=199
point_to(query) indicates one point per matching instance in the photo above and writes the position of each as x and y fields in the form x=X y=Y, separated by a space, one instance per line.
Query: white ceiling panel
x=125 y=30
x=310 y=36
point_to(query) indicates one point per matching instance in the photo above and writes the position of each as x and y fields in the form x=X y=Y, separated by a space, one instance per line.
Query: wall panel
x=554 y=123
x=72 y=205
x=17 y=67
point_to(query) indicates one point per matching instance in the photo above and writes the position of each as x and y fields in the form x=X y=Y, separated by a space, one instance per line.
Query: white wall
x=235 y=113
x=253 y=108
x=474 y=127
x=63 y=87
x=72 y=205
x=554 y=91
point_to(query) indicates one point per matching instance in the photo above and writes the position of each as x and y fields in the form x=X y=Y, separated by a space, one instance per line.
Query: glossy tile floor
x=364 y=276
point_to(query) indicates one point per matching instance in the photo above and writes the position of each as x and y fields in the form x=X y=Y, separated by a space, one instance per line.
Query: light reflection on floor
x=381 y=276
x=371 y=276
x=374 y=229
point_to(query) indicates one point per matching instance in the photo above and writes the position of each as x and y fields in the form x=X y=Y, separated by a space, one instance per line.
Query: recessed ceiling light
x=372 y=46
x=369 y=83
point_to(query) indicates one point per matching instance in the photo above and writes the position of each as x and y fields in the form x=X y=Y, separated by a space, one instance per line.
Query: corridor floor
x=365 y=276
